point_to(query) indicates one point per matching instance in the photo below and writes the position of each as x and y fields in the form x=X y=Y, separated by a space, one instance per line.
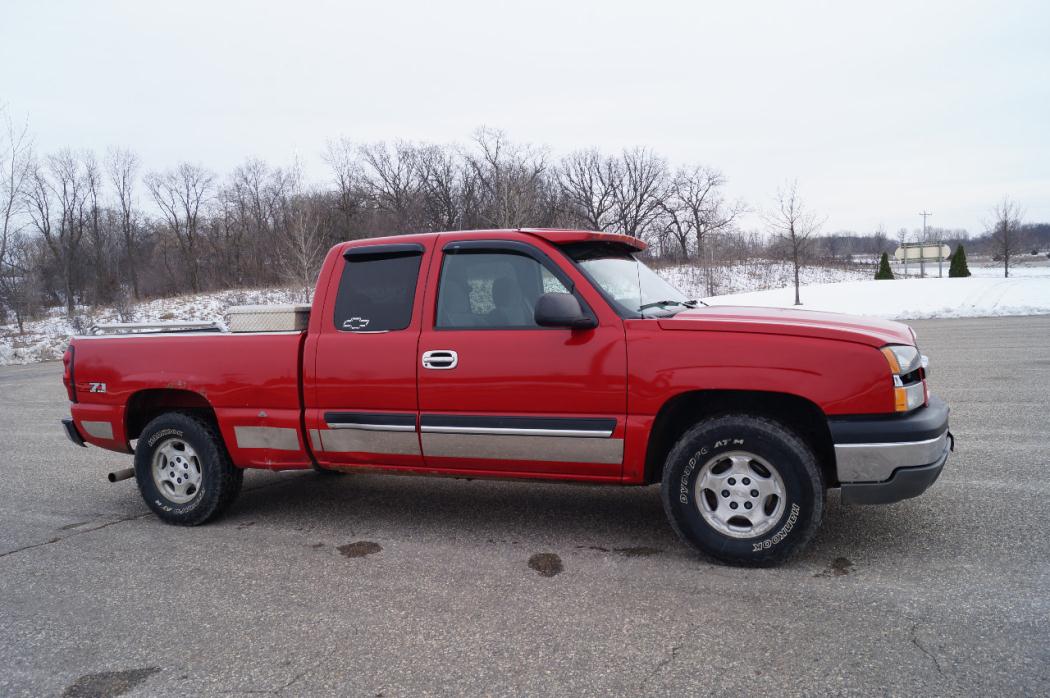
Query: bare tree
x=21 y=280
x=255 y=196
x=1006 y=231
x=341 y=157
x=180 y=194
x=588 y=182
x=449 y=189
x=98 y=233
x=694 y=207
x=393 y=181
x=57 y=199
x=301 y=247
x=511 y=181
x=15 y=169
x=879 y=239
x=640 y=191
x=794 y=225
x=122 y=167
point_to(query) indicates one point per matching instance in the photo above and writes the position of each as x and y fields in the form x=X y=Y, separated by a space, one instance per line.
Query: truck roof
x=556 y=236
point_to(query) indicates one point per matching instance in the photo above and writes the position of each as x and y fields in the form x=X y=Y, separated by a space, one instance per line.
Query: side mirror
x=562 y=310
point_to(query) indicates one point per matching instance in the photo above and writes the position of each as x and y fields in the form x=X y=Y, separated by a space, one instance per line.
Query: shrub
x=884 y=271
x=958 y=266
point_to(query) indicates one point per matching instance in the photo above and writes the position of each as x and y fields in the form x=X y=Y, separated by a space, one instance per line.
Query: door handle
x=440 y=359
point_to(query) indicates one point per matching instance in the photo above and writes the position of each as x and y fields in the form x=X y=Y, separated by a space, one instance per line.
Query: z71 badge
x=96 y=387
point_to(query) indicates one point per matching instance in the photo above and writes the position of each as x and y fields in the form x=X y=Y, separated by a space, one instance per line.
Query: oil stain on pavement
x=547 y=564
x=839 y=567
x=108 y=683
x=360 y=548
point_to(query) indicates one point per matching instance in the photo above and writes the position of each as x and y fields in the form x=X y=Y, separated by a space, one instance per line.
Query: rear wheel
x=743 y=489
x=183 y=471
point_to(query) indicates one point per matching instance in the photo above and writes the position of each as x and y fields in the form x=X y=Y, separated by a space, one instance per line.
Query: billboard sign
x=914 y=252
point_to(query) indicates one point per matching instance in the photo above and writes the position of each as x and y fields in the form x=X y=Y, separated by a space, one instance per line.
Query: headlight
x=902 y=358
x=909 y=384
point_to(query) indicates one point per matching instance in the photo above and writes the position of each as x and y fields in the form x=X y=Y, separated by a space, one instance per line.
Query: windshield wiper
x=662 y=304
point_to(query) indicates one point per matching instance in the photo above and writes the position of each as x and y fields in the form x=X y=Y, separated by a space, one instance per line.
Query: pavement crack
x=661 y=665
x=73 y=534
x=922 y=648
x=279 y=689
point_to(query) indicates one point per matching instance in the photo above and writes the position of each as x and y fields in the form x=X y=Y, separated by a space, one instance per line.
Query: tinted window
x=492 y=289
x=376 y=293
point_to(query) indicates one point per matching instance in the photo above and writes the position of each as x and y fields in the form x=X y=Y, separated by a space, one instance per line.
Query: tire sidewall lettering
x=161 y=433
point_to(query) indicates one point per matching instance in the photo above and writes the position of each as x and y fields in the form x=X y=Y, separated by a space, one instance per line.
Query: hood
x=786 y=321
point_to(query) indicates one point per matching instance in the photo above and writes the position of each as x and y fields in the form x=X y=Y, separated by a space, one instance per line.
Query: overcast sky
x=878 y=109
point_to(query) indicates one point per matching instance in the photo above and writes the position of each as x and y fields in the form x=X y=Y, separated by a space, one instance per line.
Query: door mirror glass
x=562 y=310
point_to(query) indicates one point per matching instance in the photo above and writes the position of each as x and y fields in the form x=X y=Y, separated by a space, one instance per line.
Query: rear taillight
x=67 y=374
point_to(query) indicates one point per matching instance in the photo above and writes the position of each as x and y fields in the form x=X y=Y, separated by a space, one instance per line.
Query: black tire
x=803 y=485
x=220 y=481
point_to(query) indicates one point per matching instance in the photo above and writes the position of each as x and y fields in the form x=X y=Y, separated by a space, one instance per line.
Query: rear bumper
x=885 y=459
x=71 y=432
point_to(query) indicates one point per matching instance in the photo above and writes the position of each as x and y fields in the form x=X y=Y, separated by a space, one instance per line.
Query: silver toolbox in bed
x=268 y=318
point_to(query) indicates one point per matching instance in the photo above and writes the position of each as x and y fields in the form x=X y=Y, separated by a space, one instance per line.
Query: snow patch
x=913 y=299
x=46 y=339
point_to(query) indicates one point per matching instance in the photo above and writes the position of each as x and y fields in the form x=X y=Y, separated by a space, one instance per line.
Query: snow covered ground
x=755 y=282
x=912 y=298
x=1023 y=266
x=46 y=339
x=752 y=275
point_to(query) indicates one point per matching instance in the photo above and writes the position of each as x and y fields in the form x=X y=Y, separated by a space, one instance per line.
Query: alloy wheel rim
x=177 y=471
x=740 y=494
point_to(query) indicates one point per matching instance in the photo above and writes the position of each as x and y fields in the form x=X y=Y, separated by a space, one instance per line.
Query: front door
x=498 y=393
x=361 y=385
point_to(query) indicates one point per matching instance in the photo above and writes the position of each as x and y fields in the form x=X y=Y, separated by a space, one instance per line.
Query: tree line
x=83 y=228
x=79 y=227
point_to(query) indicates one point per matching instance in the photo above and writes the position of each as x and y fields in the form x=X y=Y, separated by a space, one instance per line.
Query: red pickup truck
x=540 y=354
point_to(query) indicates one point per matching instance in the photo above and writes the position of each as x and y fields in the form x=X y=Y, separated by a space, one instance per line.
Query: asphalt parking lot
x=372 y=585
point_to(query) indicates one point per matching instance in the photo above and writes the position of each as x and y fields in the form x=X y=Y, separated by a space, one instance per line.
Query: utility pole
x=922 y=261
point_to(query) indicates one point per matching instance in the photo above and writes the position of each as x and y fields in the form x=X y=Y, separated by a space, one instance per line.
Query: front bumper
x=885 y=459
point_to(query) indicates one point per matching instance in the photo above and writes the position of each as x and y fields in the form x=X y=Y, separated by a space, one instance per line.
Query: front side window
x=376 y=292
x=490 y=290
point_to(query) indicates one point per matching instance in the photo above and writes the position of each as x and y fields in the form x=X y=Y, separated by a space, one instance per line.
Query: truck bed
x=249 y=380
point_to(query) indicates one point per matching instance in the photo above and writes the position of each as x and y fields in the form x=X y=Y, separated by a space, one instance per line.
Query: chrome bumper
x=877 y=462
x=886 y=458
x=904 y=483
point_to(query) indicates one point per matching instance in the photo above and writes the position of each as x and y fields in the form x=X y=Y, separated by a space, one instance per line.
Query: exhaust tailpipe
x=119 y=475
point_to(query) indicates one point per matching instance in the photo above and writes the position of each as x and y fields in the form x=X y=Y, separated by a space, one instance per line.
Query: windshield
x=626 y=281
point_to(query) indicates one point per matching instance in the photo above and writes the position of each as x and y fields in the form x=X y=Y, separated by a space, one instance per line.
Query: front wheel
x=743 y=489
x=183 y=471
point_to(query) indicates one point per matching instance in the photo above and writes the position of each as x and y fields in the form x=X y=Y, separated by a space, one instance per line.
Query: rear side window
x=376 y=292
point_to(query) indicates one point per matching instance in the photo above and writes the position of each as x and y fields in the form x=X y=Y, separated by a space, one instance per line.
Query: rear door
x=361 y=384
x=502 y=395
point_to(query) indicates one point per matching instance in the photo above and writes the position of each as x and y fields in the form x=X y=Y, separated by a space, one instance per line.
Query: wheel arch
x=684 y=410
x=146 y=405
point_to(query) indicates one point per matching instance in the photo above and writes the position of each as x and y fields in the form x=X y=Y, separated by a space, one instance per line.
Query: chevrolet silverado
x=541 y=354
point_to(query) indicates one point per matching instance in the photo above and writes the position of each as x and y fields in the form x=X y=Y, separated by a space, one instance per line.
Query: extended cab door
x=360 y=374
x=499 y=394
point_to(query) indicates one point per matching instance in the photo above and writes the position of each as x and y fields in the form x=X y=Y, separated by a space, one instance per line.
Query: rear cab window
x=377 y=288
